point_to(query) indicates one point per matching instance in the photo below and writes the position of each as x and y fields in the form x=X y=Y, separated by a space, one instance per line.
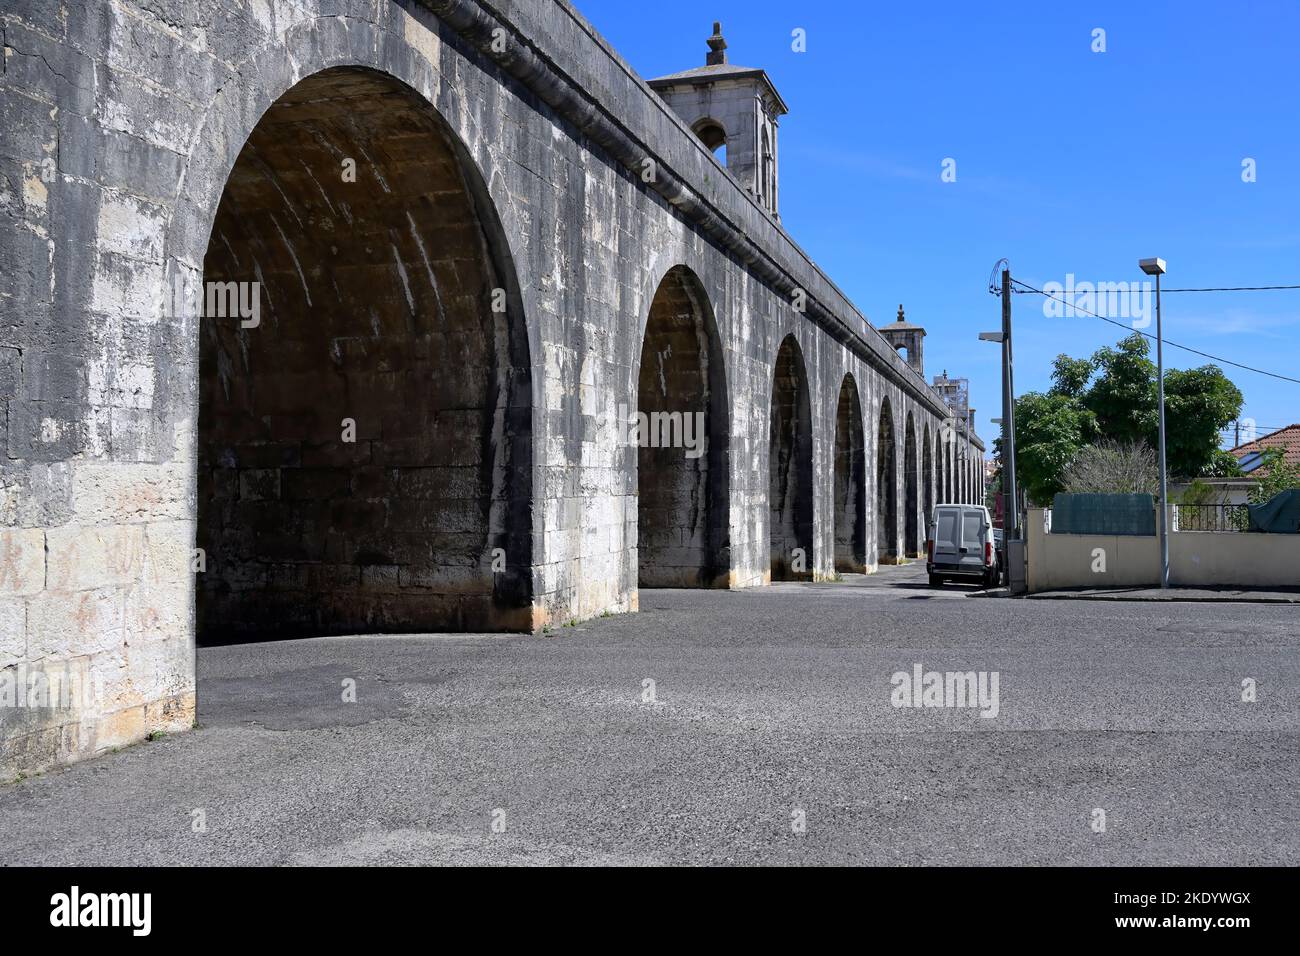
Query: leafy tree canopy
x=1114 y=396
x=1123 y=396
x=1050 y=431
x=1070 y=376
x=1198 y=403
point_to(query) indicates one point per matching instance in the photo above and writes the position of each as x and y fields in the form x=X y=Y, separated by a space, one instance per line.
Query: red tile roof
x=1288 y=439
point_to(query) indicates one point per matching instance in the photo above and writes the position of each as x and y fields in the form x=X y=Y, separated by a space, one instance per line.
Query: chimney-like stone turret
x=904 y=335
x=731 y=108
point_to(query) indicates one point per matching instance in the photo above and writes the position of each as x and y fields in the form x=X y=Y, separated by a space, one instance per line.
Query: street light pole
x=1156 y=267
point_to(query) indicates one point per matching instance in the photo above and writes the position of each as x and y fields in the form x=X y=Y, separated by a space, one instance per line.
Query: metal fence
x=1211 y=518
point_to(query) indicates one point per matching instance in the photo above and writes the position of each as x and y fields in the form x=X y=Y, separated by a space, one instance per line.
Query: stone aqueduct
x=532 y=243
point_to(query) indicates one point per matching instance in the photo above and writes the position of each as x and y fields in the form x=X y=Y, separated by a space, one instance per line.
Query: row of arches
x=683 y=501
x=365 y=452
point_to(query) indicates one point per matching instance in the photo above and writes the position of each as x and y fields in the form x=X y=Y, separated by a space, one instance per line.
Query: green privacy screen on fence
x=1279 y=515
x=1103 y=514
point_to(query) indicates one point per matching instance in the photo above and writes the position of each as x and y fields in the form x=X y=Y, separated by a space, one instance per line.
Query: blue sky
x=1067 y=161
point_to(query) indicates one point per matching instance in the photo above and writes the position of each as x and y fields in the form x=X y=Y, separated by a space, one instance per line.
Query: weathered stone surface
x=22 y=561
x=121 y=493
x=85 y=558
x=13 y=631
x=61 y=626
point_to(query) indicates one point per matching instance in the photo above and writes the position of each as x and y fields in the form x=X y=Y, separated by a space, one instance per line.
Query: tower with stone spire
x=733 y=109
x=902 y=334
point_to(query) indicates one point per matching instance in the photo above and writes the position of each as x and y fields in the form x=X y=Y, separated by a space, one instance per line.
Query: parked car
x=960 y=545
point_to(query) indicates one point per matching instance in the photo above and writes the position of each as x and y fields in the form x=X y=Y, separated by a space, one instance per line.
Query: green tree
x=1123 y=397
x=1198 y=403
x=1070 y=376
x=1051 y=429
x=1114 y=396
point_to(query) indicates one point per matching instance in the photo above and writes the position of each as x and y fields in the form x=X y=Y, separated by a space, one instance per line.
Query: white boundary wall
x=1196 y=559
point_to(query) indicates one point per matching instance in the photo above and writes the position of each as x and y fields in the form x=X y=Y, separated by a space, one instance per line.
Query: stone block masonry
x=463 y=277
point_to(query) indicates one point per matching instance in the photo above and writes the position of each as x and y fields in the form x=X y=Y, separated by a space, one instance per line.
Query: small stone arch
x=911 y=492
x=850 y=523
x=790 y=467
x=927 y=479
x=886 y=487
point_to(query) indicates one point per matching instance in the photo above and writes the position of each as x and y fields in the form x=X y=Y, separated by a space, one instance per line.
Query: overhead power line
x=1208 y=289
x=1026 y=287
x=1237 y=288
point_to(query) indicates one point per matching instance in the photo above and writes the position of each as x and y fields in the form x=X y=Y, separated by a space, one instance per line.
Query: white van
x=960 y=545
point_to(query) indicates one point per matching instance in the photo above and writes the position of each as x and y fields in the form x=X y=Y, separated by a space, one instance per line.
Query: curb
x=1201 y=598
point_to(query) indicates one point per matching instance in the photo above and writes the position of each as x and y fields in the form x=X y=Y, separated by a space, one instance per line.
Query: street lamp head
x=1152 y=267
x=991 y=337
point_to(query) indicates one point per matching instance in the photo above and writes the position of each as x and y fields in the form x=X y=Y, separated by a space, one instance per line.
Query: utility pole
x=1012 y=542
x=1011 y=513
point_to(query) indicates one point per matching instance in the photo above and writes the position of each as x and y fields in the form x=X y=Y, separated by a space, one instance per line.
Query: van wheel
x=936 y=581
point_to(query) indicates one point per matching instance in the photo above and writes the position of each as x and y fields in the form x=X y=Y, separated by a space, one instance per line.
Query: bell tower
x=902 y=334
x=732 y=108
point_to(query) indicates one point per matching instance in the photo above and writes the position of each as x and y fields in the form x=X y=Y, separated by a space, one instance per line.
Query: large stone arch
x=850 y=515
x=886 y=486
x=911 y=491
x=790 y=467
x=682 y=440
x=413 y=48
x=425 y=520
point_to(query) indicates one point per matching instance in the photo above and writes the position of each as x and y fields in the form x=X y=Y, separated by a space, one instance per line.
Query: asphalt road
x=771 y=707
